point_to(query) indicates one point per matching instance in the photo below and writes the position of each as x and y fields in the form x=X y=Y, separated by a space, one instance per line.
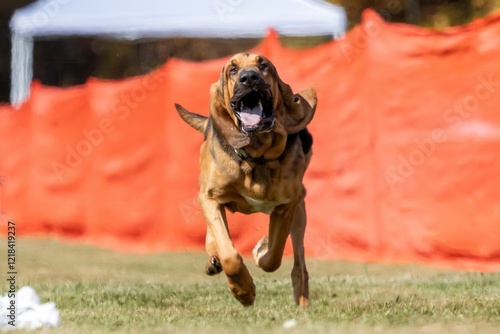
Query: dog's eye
x=263 y=66
x=232 y=70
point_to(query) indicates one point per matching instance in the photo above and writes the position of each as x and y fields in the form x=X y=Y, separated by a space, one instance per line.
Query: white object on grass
x=29 y=312
x=291 y=323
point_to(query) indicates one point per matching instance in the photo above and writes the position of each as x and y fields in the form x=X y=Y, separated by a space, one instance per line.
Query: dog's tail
x=198 y=122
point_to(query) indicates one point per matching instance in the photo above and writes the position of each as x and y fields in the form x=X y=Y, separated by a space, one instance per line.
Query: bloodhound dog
x=256 y=151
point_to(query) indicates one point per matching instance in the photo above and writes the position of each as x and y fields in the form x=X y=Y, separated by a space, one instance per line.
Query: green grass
x=100 y=291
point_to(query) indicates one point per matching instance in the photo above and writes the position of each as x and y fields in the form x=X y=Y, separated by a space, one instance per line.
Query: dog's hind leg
x=300 y=277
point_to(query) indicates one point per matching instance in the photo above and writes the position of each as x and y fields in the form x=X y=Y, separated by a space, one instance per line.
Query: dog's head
x=250 y=98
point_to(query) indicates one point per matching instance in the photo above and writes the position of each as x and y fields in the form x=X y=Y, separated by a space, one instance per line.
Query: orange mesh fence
x=405 y=164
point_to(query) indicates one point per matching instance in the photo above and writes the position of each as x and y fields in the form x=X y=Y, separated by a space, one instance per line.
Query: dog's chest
x=264 y=206
x=264 y=189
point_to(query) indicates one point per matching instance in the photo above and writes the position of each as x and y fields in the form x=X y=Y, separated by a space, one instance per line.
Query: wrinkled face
x=250 y=82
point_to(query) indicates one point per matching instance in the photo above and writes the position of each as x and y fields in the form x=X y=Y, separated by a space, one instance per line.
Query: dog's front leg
x=300 y=277
x=240 y=282
x=289 y=219
x=269 y=251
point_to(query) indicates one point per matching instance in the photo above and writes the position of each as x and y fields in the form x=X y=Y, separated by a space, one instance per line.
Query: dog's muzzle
x=253 y=106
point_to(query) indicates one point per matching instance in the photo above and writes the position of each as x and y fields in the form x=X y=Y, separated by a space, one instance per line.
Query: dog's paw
x=242 y=287
x=213 y=266
x=260 y=249
x=245 y=296
x=303 y=302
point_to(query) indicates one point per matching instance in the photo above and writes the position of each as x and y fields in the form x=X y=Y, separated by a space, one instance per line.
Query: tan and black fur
x=253 y=159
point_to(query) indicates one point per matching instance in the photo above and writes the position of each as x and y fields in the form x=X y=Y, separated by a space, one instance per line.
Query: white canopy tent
x=136 y=19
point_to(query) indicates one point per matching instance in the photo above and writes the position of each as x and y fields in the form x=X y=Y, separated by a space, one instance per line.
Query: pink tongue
x=251 y=117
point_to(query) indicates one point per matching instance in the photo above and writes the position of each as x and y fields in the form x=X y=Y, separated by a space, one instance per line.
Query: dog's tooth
x=260 y=105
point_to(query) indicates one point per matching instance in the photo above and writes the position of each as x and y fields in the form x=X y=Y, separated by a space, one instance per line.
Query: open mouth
x=254 y=111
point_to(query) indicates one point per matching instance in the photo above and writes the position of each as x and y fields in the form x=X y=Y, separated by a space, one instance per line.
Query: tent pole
x=21 y=72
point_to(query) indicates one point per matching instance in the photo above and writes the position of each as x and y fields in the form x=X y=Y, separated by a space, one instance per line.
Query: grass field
x=100 y=291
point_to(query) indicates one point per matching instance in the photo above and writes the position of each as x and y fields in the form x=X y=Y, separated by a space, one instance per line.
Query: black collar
x=245 y=156
x=234 y=152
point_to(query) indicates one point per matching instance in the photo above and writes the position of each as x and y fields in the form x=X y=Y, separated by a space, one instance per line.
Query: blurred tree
x=430 y=13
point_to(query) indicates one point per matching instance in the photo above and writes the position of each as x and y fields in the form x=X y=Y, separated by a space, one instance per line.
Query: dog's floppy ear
x=220 y=110
x=301 y=110
x=300 y=107
x=198 y=122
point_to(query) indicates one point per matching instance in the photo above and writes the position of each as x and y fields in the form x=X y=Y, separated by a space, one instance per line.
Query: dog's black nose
x=249 y=77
